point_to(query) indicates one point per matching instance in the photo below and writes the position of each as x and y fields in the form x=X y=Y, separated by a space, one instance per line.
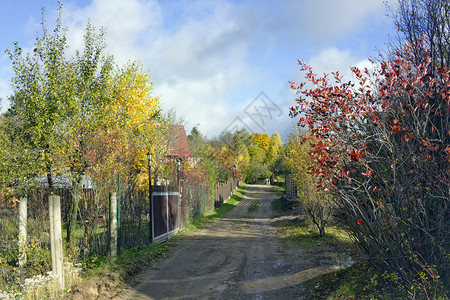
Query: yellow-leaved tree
x=317 y=203
x=139 y=121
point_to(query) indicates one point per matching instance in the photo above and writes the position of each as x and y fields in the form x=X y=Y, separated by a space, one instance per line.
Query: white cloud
x=208 y=57
x=5 y=84
x=333 y=59
x=193 y=64
x=197 y=102
x=4 y=90
x=127 y=23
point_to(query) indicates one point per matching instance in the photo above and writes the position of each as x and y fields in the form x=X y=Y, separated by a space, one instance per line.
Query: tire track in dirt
x=238 y=257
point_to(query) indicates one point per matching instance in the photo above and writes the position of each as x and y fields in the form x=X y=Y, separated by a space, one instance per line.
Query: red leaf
x=368 y=173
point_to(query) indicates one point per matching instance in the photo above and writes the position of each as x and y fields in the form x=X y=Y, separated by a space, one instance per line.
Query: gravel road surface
x=241 y=256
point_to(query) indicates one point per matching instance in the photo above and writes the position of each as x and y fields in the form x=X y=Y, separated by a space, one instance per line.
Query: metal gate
x=167 y=212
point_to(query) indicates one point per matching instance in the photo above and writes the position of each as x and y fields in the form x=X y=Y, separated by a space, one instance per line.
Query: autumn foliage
x=82 y=118
x=316 y=203
x=382 y=146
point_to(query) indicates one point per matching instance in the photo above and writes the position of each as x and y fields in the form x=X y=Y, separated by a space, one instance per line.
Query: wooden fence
x=223 y=191
x=291 y=187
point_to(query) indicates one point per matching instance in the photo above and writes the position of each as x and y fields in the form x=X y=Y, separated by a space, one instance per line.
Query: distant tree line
x=253 y=158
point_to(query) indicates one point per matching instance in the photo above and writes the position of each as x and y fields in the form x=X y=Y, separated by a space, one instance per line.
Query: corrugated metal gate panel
x=159 y=215
x=165 y=212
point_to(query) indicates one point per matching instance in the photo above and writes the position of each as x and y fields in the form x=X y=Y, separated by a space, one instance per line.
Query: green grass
x=360 y=281
x=304 y=236
x=121 y=271
x=136 y=260
x=207 y=220
x=133 y=261
x=279 y=189
x=278 y=207
x=130 y=261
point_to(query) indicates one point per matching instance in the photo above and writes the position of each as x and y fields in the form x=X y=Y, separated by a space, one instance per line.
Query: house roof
x=178 y=142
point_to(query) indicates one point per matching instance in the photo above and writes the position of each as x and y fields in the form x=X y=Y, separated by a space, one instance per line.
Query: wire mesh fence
x=91 y=233
x=134 y=226
x=9 y=231
x=198 y=201
x=37 y=246
x=90 y=236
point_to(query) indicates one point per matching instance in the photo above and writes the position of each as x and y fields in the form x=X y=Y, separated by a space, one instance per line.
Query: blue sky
x=211 y=60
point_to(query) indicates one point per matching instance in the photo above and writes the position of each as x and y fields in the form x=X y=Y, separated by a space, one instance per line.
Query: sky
x=222 y=65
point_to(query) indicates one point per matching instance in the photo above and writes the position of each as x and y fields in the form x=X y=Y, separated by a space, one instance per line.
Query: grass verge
x=133 y=261
x=117 y=274
x=279 y=189
x=278 y=206
x=301 y=235
x=359 y=281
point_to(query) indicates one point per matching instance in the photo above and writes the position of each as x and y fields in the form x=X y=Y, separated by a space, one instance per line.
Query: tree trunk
x=322 y=229
x=318 y=221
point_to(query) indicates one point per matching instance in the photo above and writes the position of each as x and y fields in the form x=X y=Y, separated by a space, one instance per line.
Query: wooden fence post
x=22 y=231
x=113 y=224
x=54 y=206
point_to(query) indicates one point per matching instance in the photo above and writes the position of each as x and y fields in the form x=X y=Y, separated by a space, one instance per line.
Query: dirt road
x=238 y=257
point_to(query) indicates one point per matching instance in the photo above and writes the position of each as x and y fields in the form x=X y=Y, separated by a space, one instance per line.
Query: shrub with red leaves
x=382 y=146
